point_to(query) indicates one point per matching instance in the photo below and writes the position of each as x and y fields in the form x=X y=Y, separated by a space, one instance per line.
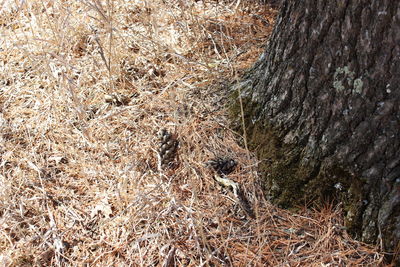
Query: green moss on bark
x=289 y=180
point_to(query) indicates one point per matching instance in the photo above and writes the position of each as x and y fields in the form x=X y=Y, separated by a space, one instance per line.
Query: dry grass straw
x=79 y=178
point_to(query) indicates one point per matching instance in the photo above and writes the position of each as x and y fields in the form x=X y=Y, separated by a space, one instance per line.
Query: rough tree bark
x=321 y=108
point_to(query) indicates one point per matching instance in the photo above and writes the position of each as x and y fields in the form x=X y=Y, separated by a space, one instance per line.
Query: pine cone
x=223 y=166
x=168 y=147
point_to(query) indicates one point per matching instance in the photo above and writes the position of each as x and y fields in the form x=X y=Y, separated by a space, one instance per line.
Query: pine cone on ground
x=223 y=166
x=168 y=148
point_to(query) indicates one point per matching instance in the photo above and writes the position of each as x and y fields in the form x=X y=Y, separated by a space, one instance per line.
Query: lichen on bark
x=322 y=112
x=291 y=181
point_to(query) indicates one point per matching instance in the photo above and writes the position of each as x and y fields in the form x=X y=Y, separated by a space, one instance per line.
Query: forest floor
x=85 y=88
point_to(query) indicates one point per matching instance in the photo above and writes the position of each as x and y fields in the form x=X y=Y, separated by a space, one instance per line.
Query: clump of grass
x=85 y=88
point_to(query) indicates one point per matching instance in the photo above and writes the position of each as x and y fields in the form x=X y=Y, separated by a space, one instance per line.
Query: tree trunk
x=321 y=108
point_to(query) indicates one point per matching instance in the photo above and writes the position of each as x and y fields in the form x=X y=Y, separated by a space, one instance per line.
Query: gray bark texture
x=321 y=108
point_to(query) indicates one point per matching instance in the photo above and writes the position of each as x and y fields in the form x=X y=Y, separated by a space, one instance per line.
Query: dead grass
x=79 y=179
